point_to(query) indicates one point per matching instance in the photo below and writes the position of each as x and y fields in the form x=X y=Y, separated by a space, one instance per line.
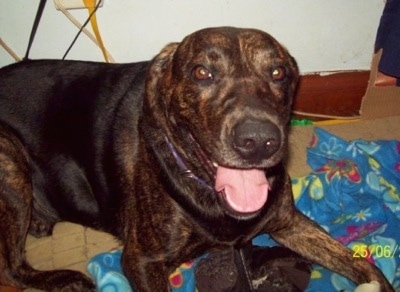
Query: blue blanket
x=353 y=192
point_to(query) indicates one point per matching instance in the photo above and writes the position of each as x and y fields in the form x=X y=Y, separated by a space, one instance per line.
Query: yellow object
x=336 y=121
x=91 y=6
x=9 y=50
x=372 y=286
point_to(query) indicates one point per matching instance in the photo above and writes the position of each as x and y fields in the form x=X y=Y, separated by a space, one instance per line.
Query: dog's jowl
x=175 y=157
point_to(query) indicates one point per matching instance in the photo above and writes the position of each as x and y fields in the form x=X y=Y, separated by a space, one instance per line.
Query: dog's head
x=225 y=94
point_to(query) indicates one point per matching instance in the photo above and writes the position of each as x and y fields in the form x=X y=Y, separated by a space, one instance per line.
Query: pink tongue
x=246 y=190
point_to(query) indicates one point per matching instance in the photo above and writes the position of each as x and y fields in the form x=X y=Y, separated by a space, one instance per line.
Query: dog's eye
x=278 y=73
x=201 y=73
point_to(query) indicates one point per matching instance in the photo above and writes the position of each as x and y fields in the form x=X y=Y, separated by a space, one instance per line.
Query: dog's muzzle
x=255 y=140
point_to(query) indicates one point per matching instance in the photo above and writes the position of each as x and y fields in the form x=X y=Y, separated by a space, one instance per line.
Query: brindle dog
x=174 y=157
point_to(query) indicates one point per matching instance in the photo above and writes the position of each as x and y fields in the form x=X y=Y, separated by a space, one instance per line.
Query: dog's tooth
x=215 y=164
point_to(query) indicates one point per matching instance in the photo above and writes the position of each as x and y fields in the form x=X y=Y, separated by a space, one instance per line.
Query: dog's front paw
x=40 y=227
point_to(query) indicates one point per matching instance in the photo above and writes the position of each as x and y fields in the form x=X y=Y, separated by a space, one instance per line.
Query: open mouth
x=242 y=192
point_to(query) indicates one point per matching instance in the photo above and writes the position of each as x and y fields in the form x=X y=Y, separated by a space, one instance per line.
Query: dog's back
x=63 y=96
x=63 y=113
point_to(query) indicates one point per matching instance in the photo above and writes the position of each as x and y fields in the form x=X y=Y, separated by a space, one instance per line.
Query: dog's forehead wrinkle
x=215 y=57
x=223 y=42
x=251 y=44
x=254 y=50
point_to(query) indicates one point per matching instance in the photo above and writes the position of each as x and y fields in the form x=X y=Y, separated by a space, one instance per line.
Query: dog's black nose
x=256 y=140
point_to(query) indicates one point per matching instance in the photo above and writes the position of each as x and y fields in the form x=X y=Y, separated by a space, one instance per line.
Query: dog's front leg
x=297 y=232
x=143 y=273
x=308 y=239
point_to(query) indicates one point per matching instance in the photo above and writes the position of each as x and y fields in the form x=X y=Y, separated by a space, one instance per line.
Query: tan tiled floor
x=72 y=245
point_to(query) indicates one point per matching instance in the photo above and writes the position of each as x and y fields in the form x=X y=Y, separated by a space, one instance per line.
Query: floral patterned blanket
x=353 y=192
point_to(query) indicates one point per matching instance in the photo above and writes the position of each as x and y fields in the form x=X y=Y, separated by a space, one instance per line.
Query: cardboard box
x=379 y=102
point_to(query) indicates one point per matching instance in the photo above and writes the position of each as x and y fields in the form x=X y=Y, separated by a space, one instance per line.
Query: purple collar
x=185 y=171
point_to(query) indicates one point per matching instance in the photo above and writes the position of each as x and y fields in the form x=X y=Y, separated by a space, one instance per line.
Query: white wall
x=322 y=35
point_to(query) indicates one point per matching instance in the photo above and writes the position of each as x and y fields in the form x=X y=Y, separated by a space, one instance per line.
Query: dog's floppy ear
x=296 y=74
x=158 y=67
x=158 y=71
x=162 y=60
